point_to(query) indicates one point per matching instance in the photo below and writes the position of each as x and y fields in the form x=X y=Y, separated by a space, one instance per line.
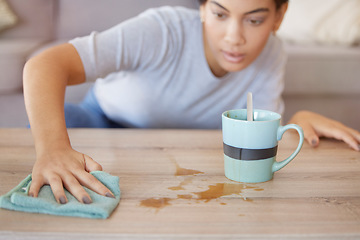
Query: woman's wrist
x=52 y=142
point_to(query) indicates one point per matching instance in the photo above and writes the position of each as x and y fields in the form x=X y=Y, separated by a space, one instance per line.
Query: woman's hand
x=58 y=164
x=70 y=169
x=316 y=126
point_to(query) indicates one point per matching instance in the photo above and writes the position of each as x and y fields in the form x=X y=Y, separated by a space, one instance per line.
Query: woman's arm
x=316 y=126
x=45 y=79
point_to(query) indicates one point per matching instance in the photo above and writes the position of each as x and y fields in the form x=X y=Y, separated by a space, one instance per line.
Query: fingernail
x=313 y=142
x=62 y=200
x=86 y=200
x=109 y=195
x=31 y=195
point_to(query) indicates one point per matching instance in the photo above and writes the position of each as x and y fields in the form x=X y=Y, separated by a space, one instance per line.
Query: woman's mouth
x=233 y=57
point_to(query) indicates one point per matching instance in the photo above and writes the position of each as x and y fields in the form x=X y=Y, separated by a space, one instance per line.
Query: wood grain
x=317 y=196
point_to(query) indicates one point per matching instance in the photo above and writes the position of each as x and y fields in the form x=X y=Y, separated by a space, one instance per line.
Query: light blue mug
x=250 y=147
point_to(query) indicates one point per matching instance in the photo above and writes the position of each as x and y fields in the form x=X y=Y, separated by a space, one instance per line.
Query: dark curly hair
x=277 y=2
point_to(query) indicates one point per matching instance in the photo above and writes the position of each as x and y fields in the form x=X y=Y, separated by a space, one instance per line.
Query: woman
x=168 y=67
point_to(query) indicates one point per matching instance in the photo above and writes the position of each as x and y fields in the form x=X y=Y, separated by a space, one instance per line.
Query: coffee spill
x=185 y=172
x=222 y=189
x=185 y=196
x=214 y=192
x=177 y=188
x=181 y=185
x=258 y=189
x=156 y=203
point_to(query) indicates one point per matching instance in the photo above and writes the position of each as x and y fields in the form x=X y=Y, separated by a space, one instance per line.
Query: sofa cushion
x=335 y=22
x=73 y=17
x=35 y=19
x=322 y=70
x=7 y=16
x=12 y=59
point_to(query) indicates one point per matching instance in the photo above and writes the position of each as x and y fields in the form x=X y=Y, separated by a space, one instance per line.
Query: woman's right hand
x=58 y=164
x=67 y=169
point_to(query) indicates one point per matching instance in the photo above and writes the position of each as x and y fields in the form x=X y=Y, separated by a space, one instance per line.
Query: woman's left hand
x=316 y=126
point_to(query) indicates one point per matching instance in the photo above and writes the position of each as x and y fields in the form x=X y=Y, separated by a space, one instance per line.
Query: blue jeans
x=87 y=114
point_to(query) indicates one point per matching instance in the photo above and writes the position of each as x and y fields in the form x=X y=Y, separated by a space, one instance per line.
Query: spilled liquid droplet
x=185 y=196
x=213 y=192
x=223 y=189
x=258 y=189
x=177 y=188
x=156 y=202
x=181 y=185
x=186 y=172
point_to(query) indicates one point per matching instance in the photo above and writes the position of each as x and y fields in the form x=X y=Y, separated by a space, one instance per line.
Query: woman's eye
x=219 y=15
x=255 y=21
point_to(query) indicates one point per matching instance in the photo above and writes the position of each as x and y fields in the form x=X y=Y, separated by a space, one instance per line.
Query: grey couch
x=324 y=79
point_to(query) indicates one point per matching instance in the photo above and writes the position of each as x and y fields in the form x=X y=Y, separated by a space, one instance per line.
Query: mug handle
x=281 y=130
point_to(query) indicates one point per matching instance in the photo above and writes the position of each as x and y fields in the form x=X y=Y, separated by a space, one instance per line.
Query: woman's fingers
x=310 y=135
x=35 y=186
x=351 y=141
x=74 y=187
x=90 y=164
x=57 y=184
x=89 y=180
x=316 y=125
x=70 y=170
x=58 y=189
x=354 y=133
x=92 y=183
x=342 y=133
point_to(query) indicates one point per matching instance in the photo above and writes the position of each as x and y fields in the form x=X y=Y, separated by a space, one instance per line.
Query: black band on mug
x=249 y=154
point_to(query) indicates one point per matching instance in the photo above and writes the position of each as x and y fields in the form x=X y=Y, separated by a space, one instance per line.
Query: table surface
x=173 y=187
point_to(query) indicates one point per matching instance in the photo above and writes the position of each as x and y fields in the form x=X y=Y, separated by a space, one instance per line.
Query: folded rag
x=101 y=207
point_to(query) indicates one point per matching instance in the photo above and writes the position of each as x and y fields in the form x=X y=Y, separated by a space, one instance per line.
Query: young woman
x=166 y=68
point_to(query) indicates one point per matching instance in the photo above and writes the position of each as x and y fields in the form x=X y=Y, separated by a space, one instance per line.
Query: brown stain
x=177 y=188
x=214 y=191
x=186 y=172
x=181 y=185
x=224 y=189
x=156 y=203
x=185 y=196
x=258 y=189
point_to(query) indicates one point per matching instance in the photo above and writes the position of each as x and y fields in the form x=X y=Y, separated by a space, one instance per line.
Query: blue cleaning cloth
x=101 y=207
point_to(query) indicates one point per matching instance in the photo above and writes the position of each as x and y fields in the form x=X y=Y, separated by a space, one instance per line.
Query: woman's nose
x=235 y=33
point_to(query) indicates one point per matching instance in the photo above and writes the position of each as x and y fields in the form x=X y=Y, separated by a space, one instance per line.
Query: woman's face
x=236 y=31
